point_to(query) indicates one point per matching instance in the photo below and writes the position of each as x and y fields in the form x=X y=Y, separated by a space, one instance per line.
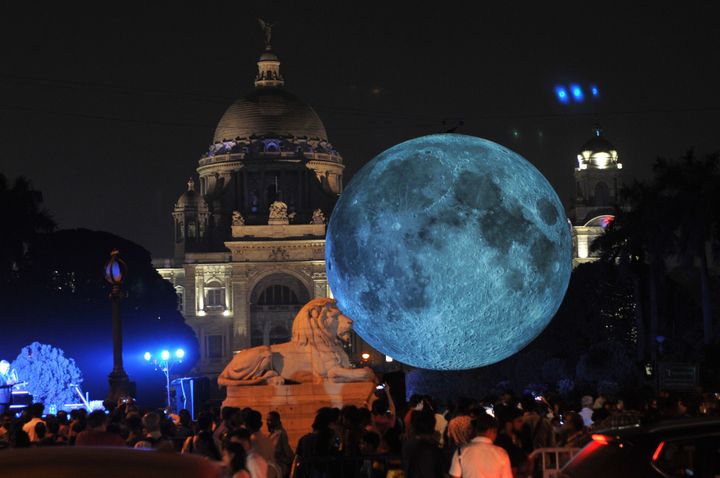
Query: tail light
x=601 y=439
x=658 y=451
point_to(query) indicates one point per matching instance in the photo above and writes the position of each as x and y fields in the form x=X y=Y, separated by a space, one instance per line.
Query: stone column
x=200 y=291
x=228 y=292
x=240 y=338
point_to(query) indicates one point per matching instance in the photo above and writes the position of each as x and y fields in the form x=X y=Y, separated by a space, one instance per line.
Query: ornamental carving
x=318 y=217
x=237 y=219
x=279 y=254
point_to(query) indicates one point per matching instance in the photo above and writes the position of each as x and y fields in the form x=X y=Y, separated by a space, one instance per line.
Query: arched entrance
x=273 y=304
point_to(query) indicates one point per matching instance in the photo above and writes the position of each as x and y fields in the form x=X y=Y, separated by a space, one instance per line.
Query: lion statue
x=314 y=353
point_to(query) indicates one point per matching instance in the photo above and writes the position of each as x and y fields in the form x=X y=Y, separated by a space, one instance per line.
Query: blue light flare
x=562 y=94
x=594 y=91
x=577 y=93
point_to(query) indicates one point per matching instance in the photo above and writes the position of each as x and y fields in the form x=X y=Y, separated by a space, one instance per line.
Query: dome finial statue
x=267 y=30
x=191 y=184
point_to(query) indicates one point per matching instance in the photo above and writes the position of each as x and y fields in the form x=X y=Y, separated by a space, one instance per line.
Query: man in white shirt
x=480 y=458
x=587 y=412
x=35 y=411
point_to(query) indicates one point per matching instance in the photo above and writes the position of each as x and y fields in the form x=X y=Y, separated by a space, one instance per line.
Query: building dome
x=191 y=199
x=269 y=111
x=598 y=144
x=598 y=153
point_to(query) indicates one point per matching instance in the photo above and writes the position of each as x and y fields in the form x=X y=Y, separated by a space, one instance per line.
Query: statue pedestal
x=297 y=403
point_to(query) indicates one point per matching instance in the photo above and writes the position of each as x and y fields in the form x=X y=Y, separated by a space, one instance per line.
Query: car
x=75 y=462
x=670 y=448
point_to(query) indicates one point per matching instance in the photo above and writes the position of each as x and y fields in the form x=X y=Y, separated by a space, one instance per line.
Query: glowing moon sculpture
x=449 y=252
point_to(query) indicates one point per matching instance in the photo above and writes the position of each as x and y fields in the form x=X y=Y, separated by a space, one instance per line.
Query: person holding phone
x=383 y=414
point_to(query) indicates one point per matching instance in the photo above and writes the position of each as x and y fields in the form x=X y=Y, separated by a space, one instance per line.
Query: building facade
x=598 y=184
x=250 y=235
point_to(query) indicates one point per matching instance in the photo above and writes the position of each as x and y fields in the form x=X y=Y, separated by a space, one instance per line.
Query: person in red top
x=95 y=433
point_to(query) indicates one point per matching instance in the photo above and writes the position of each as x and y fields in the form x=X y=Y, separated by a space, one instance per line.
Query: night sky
x=108 y=107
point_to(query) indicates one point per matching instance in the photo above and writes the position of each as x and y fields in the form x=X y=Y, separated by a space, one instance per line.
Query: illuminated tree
x=50 y=375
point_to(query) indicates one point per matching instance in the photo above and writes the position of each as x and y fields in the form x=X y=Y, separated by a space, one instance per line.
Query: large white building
x=598 y=184
x=242 y=269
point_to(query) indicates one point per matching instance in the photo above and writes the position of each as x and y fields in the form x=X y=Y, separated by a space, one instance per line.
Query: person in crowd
x=421 y=454
x=235 y=458
x=371 y=467
x=133 y=424
x=440 y=422
x=52 y=437
x=573 y=433
x=184 y=425
x=153 y=437
x=230 y=420
x=383 y=414
x=316 y=448
x=202 y=442
x=460 y=431
x=255 y=464
x=351 y=430
x=505 y=406
x=6 y=423
x=64 y=425
x=586 y=412
x=19 y=439
x=260 y=443
x=280 y=442
x=629 y=415
x=537 y=431
x=509 y=440
x=95 y=433
x=480 y=458
x=35 y=412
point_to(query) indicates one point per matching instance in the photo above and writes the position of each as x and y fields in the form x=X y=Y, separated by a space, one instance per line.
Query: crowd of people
x=425 y=438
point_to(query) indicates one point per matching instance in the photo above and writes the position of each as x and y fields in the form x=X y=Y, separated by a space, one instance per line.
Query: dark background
x=107 y=107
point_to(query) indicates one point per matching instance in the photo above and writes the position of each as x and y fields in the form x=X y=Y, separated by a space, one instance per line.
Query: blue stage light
x=594 y=91
x=165 y=355
x=577 y=93
x=562 y=94
x=179 y=353
x=147 y=356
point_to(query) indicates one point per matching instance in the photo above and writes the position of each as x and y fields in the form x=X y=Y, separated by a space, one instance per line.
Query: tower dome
x=598 y=153
x=190 y=199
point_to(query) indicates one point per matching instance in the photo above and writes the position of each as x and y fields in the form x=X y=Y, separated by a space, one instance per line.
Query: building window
x=214 y=296
x=278 y=295
x=214 y=347
x=180 y=291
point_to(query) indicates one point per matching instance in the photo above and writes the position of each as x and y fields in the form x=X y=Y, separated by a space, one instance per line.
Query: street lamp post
x=164 y=364
x=115 y=271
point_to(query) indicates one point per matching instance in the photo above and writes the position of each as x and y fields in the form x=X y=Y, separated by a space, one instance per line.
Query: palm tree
x=20 y=208
x=692 y=187
x=637 y=240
